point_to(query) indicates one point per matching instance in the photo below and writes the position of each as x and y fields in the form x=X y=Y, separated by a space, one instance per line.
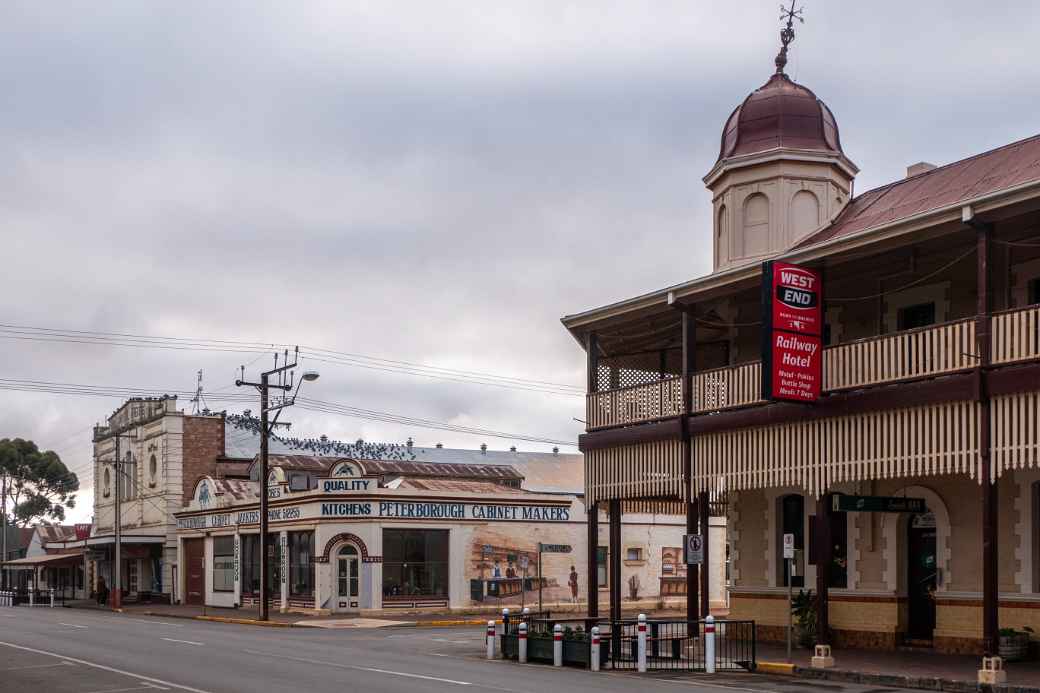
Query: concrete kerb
x=927 y=683
x=221 y=619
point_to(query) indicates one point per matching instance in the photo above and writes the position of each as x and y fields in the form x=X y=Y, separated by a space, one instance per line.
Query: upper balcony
x=907 y=355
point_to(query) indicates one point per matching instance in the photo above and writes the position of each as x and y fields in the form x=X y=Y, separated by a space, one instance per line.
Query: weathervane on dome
x=788 y=14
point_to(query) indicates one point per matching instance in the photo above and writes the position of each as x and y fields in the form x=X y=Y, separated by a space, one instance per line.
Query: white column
x=238 y=567
x=283 y=541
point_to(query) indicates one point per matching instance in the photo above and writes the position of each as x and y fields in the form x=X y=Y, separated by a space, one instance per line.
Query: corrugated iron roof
x=238 y=489
x=998 y=169
x=458 y=486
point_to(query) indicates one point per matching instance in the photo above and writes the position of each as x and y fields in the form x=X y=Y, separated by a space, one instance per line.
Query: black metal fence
x=675 y=644
x=39 y=597
x=511 y=623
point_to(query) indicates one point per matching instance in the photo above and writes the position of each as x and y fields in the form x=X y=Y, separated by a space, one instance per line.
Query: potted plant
x=1014 y=644
x=803 y=608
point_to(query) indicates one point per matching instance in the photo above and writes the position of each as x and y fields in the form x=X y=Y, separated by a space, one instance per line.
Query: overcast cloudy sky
x=430 y=182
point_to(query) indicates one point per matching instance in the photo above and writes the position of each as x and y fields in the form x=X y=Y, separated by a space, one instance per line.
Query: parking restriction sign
x=693 y=549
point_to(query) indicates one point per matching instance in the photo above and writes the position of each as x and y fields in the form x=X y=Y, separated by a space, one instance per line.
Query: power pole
x=3 y=512
x=117 y=587
x=264 y=386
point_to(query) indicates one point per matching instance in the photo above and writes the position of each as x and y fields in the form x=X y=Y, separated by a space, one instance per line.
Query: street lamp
x=265 y=431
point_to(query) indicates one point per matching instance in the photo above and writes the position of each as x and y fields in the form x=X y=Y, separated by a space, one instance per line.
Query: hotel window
x=919 y=315
x=601 y=566
x=634 y=555
x=301 y=564
x=839 y=551
x=223 y=564
x=1034 y=291
x=415 y=563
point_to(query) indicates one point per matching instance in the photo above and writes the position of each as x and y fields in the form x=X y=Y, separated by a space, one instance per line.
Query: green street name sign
x=877 y=504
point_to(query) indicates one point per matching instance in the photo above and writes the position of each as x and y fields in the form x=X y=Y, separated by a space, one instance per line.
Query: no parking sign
x=693 y=549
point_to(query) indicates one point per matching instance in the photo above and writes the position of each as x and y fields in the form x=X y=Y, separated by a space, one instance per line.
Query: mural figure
x=204 y=496
x=573 y=582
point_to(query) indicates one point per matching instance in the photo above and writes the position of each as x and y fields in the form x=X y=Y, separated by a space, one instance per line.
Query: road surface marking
x=186 y=642
x=357 y=668
x=161 y=623
x=40 y=666
x=145 y=686
x=102 y=667
x=71 y=625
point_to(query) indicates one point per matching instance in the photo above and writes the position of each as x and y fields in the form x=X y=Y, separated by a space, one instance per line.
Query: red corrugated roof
x=997 y=169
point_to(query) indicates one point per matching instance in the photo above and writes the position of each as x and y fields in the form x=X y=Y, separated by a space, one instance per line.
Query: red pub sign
x=792 y=341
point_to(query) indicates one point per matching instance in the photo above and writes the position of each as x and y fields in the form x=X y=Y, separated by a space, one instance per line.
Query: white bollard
x=521 y=646
x=709 y=644
x=490 y=637
x=594 y=652
x=642 y=642
x=526 y=612
x=557 y=645
x=52 y=597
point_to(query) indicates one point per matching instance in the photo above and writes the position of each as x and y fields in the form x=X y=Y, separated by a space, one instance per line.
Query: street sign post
x=548 y=548
x=693 y=549
x=524 y=562
x=789 y=557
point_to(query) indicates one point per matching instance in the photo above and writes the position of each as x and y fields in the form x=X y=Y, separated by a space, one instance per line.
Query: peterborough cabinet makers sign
x=792 y=342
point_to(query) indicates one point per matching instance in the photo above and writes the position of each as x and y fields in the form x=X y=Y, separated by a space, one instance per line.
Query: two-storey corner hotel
x=905 y=485
x=358 y=536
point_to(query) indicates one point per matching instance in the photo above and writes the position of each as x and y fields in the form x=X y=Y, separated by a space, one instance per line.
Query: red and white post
x=594 y=663
x=642 y=642
x=709 y=644
x=557 y=645
x=521 y=647
x=491 y=640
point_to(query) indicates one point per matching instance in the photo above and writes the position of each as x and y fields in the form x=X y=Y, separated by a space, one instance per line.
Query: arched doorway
x=348 y=578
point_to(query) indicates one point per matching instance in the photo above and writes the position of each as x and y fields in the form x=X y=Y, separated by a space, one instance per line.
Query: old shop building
x=361 y=535
x=53 y=558
x=931 y=377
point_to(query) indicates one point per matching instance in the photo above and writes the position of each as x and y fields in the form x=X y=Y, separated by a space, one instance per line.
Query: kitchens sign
x=792 y=335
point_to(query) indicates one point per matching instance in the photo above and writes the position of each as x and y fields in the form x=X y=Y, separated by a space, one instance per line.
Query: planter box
x=579 y=653
x=510 y=646
x=1014 y=648
x=540 y=649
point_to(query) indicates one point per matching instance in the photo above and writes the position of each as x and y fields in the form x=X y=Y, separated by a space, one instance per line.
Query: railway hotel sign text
x=792 y=334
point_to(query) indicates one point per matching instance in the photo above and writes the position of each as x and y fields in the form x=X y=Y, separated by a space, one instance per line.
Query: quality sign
x=792 y=343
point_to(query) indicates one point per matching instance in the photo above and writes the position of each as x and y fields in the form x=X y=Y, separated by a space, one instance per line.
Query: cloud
x=426 y=182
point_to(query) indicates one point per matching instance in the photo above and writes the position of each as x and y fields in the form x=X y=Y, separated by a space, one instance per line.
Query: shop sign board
x=792 y=334
x=876 y=504
x=693 y=549
x=414 y=510
x=554 y=548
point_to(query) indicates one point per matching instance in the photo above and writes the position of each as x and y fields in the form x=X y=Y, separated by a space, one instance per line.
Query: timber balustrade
x=635 y=404
x=912 y=354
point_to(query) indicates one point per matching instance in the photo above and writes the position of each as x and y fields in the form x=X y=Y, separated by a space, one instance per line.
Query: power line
x=315 y=405
x=130 y=340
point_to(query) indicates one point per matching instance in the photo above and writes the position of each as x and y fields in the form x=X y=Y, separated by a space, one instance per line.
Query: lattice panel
x=637 y=369
x=1015 y=433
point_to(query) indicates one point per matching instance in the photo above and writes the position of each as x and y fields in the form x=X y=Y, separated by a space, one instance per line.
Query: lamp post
x=264 y=386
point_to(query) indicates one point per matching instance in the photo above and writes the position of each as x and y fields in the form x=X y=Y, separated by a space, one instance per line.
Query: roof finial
x=787 y=33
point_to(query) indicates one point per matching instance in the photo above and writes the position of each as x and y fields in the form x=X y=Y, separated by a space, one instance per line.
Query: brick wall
x=203 y=444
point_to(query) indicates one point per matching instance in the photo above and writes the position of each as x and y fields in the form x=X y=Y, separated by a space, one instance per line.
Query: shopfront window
x=415 y=563
x=251 y=563
x=301 y=564
x=601 y=566
x=223 y=564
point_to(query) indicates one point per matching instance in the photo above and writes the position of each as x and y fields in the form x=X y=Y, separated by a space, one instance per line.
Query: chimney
x=919 y=168
x=512 y=448
x=556 y=451
x=483 y=448
x=440 y=445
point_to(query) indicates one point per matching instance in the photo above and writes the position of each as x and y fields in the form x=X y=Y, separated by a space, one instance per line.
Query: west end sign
x=391 y=509
x=792 y=334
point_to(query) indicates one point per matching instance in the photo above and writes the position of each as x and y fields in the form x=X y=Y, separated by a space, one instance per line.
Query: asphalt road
x=79 y=651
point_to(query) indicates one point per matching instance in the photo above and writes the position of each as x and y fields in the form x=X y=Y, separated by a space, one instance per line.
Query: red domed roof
x=780 y=114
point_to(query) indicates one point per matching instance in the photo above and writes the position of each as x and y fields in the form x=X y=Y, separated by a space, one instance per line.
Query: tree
x=39 y=485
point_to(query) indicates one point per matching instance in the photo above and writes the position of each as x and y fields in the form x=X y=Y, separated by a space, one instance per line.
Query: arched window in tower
x=722 y=237
x=804 y=214
x=756 y=225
